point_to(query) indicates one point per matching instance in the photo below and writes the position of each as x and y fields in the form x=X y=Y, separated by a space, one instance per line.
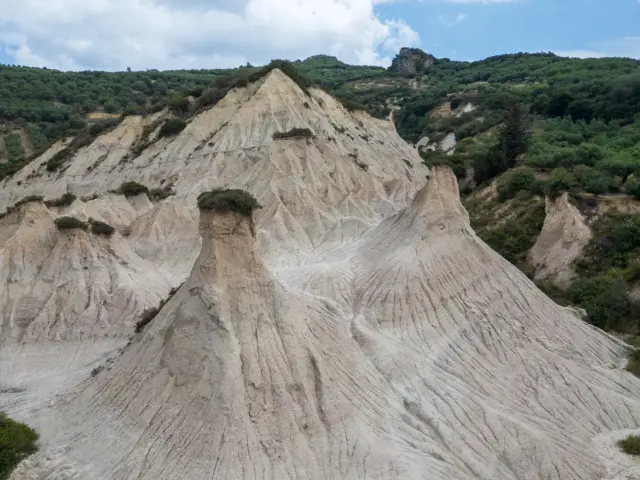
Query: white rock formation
x=355 y=328
x=561 y=241
x=468 y=108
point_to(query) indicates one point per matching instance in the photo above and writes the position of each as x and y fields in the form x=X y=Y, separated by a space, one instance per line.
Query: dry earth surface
x=354 y=328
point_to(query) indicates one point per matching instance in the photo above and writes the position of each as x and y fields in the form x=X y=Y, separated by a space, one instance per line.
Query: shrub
x=131 y=189
x=161 y=193
x=150 y=313
x=614 y=244
x=606 y=301
x=147 y=317
x=58 y=159
x=456 y=162
x=27 y=199
x=69 y=223
x=63 y=201
x=562 y=180
x=81 y=140
x=171 y=127
x=294 y=133
x=352 y=106
x=101 y=228
x=632 y=186
x=592 y=180
x=17 y=441
x=226 y=200
x=455 y=103
x=179 y=104
x=630 y=445
x=516 y=180
x=513 y=238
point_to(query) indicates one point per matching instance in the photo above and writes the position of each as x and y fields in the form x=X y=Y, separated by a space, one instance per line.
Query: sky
x=172 y=34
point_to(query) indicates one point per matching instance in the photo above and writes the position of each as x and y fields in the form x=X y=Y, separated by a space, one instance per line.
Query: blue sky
x=472 y=31
x=166 y=34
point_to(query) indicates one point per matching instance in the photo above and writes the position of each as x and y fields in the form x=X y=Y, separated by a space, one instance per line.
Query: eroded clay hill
x=355 y=327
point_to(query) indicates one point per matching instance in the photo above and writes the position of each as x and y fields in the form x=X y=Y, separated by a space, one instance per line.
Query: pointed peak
x=287 y=69
x=228 y=200
x=226 y=212
x=440 y=196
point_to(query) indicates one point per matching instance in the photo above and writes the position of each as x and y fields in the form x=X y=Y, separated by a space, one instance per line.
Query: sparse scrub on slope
x=353 y=106
x=456 y=162
x=171 y=127
x=228 y=200
x=131 y=189
x=157 y=194
x=294 y=133
x=630 y=445
x=13 y=148
x=101 y=228
x=64 y=155
x=17 y=441
x=633 y=364
x=64 y=201
x=150 y=313
x=70 y=223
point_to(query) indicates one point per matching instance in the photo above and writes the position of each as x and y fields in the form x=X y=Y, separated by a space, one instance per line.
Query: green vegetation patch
x=630 y=445
x=353 y=106
x=171 y=127
x=633 y=365
x=64 y=201
x=521 y=179
x=151 y=313
x=457 y=163
x=81 y=140
x=294 y=133
x=38 y=140
x=131 y=189
x=228 y=200
x=13 y=147
x=101 y=228
x=17 y=441
x=70 y=223
x=516 y=235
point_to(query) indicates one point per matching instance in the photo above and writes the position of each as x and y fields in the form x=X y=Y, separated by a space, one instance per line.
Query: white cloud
x=461 y=17
x=164 y=34
x=622 y=47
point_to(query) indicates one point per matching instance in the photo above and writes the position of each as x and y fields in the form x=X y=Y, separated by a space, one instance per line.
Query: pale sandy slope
x=363 y=330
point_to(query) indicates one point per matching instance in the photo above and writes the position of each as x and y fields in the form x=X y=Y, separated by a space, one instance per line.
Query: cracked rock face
x=354 y=327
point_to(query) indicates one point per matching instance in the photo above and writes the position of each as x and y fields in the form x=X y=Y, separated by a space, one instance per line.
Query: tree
x=514 y=135
x=511 y=142
x=632 y=186
x=562 y=180
x=179 y=104
x=516 y=180
x=111 y=107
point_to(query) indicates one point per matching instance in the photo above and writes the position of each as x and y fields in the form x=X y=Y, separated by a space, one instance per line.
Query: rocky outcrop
x=411 y=61
x=563 y=237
